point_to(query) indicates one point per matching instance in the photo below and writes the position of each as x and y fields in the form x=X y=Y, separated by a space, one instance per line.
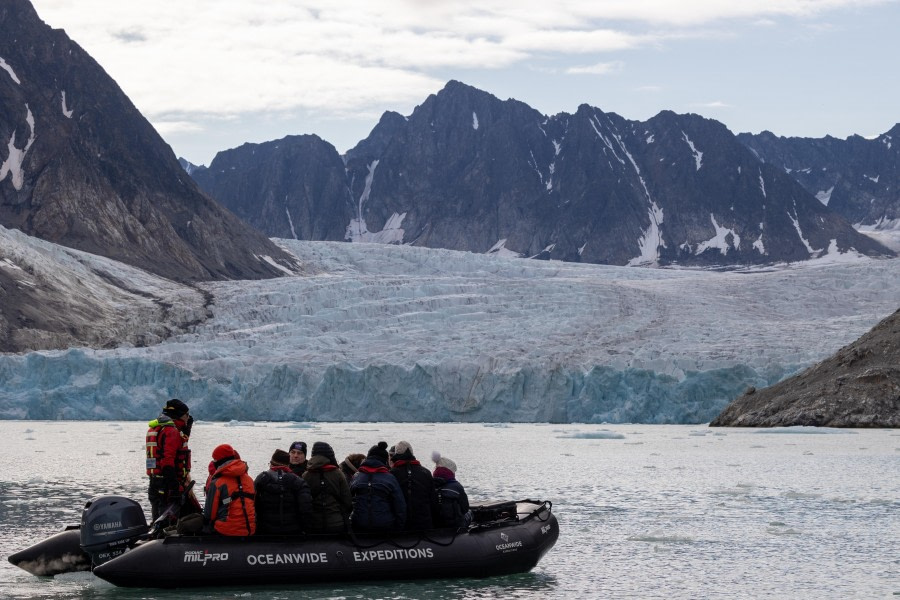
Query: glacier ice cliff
x=396 y=333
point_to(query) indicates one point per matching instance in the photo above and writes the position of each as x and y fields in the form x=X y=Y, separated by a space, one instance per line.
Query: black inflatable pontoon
x=508 y=537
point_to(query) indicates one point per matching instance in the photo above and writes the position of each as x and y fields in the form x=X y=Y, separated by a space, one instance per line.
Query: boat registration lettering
x=203 y=557
x=508 y=546
x=287 y=559
x=370 y=555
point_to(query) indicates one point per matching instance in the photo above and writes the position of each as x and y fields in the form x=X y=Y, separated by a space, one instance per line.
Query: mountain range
x=857 y=178
x=467 y=171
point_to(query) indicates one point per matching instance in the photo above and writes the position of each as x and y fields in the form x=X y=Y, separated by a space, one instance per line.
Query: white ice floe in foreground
x=398 y=333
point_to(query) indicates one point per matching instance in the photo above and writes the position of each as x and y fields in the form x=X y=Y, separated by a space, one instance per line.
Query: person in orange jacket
x=230 y=508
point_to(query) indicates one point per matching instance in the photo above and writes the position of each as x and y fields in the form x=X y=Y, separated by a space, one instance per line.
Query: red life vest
x=230 y=500
x=167 y=446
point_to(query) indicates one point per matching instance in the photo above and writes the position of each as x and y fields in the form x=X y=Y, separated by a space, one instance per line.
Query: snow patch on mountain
x=6 y=67
x=500 y=249
x=824 y=196
x=67 y=113
x=12 y=166
x=698 y=156
x=720 y=240
x=650 y=240
x=812 y=251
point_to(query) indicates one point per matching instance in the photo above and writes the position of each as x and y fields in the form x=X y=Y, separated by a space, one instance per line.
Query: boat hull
x=189 y=561
x=60 y=553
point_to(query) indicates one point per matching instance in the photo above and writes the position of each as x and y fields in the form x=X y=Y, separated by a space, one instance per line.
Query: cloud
x=598 y=69
x=232 y=57
x=713 y=104
x=129 y=36
x=164 y=127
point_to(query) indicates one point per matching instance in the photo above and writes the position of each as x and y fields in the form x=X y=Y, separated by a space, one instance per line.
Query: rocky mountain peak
x=468 y=171
x=83 y=168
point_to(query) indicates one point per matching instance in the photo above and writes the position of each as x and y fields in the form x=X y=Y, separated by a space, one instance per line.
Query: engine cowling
x=109 y=525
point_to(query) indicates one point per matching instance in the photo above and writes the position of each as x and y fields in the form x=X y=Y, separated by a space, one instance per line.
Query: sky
x=213 y=74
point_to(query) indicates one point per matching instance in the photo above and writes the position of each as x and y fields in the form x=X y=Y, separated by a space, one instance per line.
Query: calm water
x=645 y=511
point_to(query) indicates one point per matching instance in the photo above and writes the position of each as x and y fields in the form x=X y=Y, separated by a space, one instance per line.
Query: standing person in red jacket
x=168 y=457
x=230 y=506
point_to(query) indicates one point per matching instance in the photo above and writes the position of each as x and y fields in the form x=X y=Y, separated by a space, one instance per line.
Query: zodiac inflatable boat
x=114 y=541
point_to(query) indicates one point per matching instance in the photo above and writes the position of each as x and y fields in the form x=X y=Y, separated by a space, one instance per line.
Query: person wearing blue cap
x=297 y=452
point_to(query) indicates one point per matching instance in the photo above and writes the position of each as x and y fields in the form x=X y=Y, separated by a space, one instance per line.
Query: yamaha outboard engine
x=109 y=525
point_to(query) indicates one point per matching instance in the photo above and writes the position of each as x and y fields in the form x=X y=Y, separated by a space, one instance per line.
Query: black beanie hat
x=323 y=449
x=379 y=452
x=175 y=408
x=281 y=458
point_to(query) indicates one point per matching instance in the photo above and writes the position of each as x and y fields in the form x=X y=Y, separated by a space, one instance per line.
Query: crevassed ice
x=400 y=333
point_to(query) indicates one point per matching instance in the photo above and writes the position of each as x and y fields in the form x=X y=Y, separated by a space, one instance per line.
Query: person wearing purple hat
x=453 y=504
x=297 y=453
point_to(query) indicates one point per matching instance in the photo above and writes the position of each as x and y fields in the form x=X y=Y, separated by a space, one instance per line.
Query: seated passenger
x=298 y=458
x=283 y=501
x=378 y=503
x=417 y=485
x=350 y=465
x=229 y=509
x=453 y=504
x=331 y=504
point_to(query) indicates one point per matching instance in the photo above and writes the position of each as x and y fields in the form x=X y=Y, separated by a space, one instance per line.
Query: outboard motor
x=109 y=525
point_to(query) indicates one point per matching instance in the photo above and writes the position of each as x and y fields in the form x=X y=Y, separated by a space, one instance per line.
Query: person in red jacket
x=168 y=457
x=230 y=507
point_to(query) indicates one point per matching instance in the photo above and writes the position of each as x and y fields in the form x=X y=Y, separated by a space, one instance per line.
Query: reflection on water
x=644 y=511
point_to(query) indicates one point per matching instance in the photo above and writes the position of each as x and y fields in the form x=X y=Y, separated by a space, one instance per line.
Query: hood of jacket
x=317 y=462
x=233 y=468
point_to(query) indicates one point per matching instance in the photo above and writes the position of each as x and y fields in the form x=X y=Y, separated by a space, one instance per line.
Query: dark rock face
x=467 y=171
x=857 y=387
x=52 y=297
x=857 y=178
x=291 y=188
x=82 y=168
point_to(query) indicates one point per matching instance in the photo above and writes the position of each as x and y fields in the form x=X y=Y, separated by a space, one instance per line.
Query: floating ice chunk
x=662 y=538
x=595 y=435
x=805 y=429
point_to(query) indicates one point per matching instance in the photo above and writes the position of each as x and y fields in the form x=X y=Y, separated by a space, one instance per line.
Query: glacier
x=375 y=332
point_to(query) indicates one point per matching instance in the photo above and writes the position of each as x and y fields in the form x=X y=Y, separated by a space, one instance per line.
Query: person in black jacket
x=378 y=503
x=417 y=485
x=453 y=503
x=330 y=491
x=298 y=463
x=283 y=500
